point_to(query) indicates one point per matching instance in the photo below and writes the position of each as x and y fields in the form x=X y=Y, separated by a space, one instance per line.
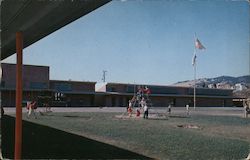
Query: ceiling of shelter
x=38 y=18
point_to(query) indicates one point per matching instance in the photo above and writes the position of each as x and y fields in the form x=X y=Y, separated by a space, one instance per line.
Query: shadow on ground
x=42 y=142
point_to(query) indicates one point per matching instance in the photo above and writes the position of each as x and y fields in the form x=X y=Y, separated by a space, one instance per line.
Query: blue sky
x=150 y=42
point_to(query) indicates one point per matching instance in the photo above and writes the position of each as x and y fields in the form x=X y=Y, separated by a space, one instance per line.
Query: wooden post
x=19 y=90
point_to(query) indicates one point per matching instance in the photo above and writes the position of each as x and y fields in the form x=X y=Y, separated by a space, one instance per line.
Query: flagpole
x=195 y=72
x=195 y=84
x=197 y=45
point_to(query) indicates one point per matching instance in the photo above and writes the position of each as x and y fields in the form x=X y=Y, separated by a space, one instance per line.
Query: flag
x=194 y=60
x=198 y=44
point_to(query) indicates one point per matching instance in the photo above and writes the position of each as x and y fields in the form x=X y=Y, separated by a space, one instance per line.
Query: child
x=47 y=108
x=246 y=108
x=130 y=111
x=130 y=108
x=31 y=109
x=147 y=91
x=187 y=109
x=169 y=108
x=138 y=113
x=145 y=108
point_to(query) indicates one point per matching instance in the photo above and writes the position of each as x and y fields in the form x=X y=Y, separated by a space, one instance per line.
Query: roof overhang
x=38 y=18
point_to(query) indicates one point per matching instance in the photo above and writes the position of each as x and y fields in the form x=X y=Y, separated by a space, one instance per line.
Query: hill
x=227 y=80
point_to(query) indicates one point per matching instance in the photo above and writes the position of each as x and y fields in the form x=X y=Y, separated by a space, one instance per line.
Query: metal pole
x=18 y=127
x=134 y=88
x=195 y=85
x=104 y=75
x=195 y=71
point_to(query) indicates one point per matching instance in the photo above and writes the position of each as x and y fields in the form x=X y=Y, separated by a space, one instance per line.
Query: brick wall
x=34 y=77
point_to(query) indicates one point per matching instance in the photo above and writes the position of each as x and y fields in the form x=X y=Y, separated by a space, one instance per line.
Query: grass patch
x=219 y=137
x=43 y=142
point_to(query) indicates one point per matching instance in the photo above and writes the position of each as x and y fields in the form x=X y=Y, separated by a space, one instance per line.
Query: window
x=59 y=96
x=38 y=85
x=63 y=87
x=113 y=89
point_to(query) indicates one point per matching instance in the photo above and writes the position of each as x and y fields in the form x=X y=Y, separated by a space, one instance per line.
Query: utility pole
x=104 y=75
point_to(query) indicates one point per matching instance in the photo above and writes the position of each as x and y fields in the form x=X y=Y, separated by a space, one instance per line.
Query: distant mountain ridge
x=222 y=79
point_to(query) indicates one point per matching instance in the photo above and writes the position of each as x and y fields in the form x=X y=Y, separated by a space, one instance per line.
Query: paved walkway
x=224 y=111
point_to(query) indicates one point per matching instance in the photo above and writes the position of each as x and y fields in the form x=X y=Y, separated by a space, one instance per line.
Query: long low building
x=118 y=94
x=38 y=86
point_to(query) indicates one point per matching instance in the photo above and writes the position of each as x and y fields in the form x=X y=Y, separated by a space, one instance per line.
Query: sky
x=148 y=42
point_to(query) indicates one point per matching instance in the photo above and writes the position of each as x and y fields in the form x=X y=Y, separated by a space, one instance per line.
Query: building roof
x=72 y=81
x=38 y=18
x=170 y=86
x=28 y=65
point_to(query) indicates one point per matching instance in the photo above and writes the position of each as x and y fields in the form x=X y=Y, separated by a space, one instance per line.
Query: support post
x=19 y=90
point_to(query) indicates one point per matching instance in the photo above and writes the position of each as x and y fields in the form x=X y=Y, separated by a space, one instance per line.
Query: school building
x=38 y=86
x=118 y=94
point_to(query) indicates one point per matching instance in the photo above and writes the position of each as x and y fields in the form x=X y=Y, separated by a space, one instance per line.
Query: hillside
x=240 y=85
x=222 y=80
